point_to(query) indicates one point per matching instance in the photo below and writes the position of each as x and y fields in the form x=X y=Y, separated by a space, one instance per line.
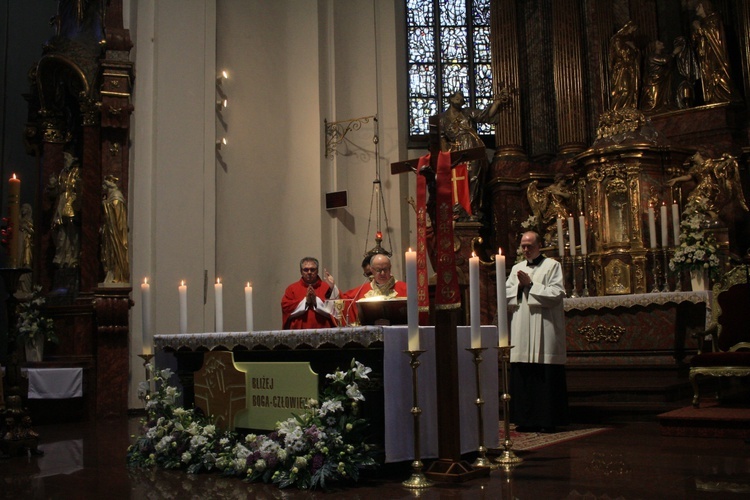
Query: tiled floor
x=87 y=461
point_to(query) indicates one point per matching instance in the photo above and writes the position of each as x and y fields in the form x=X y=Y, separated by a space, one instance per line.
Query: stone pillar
x=568 y=76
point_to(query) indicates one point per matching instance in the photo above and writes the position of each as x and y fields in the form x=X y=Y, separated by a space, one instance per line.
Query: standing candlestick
x=507 y=457
x=249 y=307
x=502 y=299
x=146 y=317
x=412 y=307
x=584 y=244
x=182 y=289
x=664 y=232
x=219 y=295
x=665 y=286
x=676 y=223
x=418 y=479
x=481 y=460
x=476 y=338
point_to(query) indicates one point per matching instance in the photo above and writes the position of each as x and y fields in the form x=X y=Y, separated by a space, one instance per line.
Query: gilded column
x=568 y=76
x=505 y=74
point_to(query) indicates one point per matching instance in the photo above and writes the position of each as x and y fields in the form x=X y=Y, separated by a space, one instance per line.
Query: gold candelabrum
x=665 y=287
x=507 y=457
x=417 y=480
x=146 y=360
x=482 y=460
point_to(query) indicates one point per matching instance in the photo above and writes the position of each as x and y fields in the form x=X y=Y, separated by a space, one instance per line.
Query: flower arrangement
x=32 y=324
x=698 y=249
x=324 y=444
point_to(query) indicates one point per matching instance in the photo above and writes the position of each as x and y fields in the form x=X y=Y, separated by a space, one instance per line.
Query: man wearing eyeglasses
x=382 y=283
x=306 y=302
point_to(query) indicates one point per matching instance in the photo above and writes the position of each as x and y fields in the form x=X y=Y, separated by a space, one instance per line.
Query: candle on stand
x=572 y=235
x=183 y=306
x=219 y=295
x=476 y=338
x=249 y=307
x=651 y=226
x=502 y=300
x=676 y=223
x=412 y=307
x=14 y=211
x=582 y=223
x=146 y=317
x=664 y=233
x=560 y=239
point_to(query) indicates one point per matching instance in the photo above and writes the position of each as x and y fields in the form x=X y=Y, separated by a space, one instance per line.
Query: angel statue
x=717 y=183
x=547 y=204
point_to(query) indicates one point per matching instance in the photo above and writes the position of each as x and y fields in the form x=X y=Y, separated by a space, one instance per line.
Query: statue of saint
x=114 y=233
x=687 y=68
x=624 y=68
x=713 y=60
x=547 y=205
x=458 y=132
x=657 y=82
x=26 y=228
x=717 y=183
x=66 y=187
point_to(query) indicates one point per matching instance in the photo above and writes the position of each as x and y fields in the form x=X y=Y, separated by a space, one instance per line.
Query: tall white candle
x=560 y=238
x=582 y=223
x=249 y=307
x=183 y=306
x=502 y=300
x=651 y=226
x=572 y=234
x=412 y=306
x=676 y=223
x=148 y=347
x=219 y=294
x=476 y=339
x=664 y=233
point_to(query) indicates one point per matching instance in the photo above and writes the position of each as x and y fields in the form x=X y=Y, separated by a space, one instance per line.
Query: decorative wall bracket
x=336 y=131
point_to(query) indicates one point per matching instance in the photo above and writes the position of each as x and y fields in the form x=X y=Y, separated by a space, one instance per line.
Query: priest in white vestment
x=538 y=389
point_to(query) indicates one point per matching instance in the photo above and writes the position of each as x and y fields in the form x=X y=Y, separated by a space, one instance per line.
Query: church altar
x=635 y=329
x=382 y=349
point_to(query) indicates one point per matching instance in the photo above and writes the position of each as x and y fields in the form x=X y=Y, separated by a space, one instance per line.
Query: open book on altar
x=382 y=311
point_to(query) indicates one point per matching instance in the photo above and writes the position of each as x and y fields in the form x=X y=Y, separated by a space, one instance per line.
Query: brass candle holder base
x=417 y=480
x=507 y=457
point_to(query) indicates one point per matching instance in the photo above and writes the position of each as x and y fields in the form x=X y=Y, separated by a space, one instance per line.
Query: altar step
x=609 y=395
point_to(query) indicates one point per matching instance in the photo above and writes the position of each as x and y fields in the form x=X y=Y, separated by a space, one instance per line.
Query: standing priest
x=538 y=388
x=306 y=302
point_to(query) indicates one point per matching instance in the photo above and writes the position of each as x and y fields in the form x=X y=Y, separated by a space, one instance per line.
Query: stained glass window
x=448 y=50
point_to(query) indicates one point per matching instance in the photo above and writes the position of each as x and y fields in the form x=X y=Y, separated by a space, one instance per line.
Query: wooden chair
x=724 y=349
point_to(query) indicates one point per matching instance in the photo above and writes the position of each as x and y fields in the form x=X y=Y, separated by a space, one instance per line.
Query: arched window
x=448 y=50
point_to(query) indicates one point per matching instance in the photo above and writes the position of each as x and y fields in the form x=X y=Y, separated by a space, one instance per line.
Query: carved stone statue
x=114 y=233
x=717 y=183
x=687 y=73
x=547 y=204
x=66 y=188
x=713 y=60
x=657 y=81
x=624 y=68
x=457 y=132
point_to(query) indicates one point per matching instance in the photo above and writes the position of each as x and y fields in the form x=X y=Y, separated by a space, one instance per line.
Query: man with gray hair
x=306 y=303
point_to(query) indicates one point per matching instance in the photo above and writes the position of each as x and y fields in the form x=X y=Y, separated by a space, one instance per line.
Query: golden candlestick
x=146 y=360
x=507 y=457
x=417 y=479
x=482 y=460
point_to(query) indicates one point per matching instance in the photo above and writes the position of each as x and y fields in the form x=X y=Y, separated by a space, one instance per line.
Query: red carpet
x=526 y=441
x=709 y=420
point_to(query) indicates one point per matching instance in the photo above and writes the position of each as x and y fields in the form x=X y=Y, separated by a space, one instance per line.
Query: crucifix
x=449 y=466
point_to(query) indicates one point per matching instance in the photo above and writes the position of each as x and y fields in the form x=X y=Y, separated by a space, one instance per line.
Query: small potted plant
x=34 y=328
x=698 y=251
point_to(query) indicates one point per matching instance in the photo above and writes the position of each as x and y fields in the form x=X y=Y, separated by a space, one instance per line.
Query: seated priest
x=382 y=283
x=307 y=302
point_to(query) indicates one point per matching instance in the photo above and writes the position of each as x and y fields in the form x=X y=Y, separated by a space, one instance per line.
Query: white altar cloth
x=55 y=383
